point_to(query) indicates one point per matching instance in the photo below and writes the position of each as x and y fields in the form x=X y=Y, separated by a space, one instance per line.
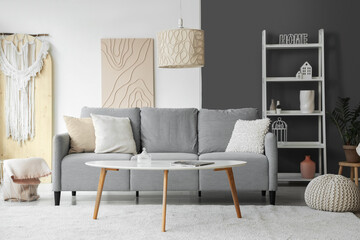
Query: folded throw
x=29 y=168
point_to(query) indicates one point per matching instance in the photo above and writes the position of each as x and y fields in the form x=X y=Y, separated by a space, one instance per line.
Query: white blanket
x=21 y=178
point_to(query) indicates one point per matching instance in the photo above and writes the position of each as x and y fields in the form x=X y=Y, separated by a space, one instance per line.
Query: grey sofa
x=170 y=134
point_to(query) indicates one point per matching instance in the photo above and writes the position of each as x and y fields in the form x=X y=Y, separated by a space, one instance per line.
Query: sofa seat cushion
x=254 y=175
x=177 y=180
x=216 y=127
x=75 y=175
x=171 y=156
x=169 y=130
x=132 y=113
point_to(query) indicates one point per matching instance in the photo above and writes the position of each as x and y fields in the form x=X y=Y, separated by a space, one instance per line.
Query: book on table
x=190 y=163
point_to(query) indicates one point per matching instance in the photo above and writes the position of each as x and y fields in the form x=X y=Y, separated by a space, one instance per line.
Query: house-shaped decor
x=306 y=71
x=298 y=75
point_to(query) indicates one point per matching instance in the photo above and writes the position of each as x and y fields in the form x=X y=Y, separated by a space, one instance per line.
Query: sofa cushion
x=82 y=134
x=249 y=136
x=254 y=175
x=75 y=175
x=132 y=113
x=153 y=180
x=169 y=130
x=216 y=126
x=171 y=156
x=113 y=134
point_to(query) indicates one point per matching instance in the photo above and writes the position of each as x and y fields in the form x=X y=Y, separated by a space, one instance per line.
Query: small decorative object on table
x=272 y=106
x=307 y=168
x=347 y=121
x=278 y=107
x=358 y=149
x=307 y=101
x=144 y=159
x=296 y=38
x=279 y=128
x=190 y=163
x=306 y=71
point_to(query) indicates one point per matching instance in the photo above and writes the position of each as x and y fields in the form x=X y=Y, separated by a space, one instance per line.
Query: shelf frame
x=320 y=144
x=293 y=177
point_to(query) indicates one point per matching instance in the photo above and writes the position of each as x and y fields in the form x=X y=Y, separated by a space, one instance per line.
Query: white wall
x=76 y=27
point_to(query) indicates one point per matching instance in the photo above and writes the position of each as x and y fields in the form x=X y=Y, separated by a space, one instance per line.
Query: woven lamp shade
x=180 y=48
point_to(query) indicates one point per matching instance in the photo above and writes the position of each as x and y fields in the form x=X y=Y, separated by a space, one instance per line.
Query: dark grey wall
x=232 y=75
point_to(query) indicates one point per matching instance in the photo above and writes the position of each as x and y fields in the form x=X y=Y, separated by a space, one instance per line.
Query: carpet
x=21 y=221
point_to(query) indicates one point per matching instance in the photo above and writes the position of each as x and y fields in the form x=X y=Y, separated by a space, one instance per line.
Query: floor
x=292 y=195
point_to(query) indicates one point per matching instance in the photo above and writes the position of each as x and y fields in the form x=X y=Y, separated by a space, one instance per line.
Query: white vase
x=358 y=149
x=307 y=104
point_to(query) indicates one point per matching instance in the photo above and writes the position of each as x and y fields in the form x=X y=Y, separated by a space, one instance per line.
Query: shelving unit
x=320 y=144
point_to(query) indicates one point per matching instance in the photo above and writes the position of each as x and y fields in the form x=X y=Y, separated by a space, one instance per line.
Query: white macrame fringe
x=20 y=68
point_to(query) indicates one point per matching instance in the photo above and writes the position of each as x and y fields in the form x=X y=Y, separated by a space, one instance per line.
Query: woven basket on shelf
x=333 y=193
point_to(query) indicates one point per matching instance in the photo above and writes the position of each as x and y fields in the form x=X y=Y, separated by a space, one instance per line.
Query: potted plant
x=347 y=121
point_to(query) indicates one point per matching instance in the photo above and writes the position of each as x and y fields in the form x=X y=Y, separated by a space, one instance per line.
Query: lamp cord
x=180 y=8
x=180 y=21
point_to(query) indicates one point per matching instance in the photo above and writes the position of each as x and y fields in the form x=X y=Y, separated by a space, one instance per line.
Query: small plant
x=347 y=121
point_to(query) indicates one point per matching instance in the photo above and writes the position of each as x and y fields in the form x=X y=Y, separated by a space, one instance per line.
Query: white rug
x=22 y=221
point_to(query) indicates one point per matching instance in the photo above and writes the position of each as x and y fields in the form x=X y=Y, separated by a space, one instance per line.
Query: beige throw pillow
x=82 y=134
x=113 y=134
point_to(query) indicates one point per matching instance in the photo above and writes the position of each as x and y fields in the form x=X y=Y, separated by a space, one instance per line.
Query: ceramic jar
x=307 y=168
x=307 y=103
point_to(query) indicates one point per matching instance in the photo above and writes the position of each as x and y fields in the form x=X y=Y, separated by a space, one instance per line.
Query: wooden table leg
x=99 y=191
x=230 y=174
x=356 y=176
x=340 y=170
x=351 y=173
x=164 y=199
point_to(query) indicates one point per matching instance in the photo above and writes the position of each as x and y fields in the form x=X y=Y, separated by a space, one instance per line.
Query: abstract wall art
x=127 y=72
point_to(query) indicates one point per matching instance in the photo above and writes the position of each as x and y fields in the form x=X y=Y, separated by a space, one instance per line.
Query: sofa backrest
x=216 y=126
x=169 y=129
x=132 y=113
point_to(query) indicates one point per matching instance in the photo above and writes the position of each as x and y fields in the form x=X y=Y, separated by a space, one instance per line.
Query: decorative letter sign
x=297 y=38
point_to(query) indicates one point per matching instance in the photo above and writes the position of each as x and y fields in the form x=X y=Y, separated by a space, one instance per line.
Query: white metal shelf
x=293 y=46
x=319 y=80
x=293 y=79
x=293 y=177
x=294 y=113
x=301 y=144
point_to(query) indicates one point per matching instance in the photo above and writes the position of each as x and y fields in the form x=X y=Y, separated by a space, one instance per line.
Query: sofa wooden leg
x=199 y=193
x=263 y=193
x=272 y=195
x=73 y=193
x=137 y=193
x=57 y=198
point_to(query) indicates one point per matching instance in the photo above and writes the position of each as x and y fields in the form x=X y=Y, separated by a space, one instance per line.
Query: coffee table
x=166 y=167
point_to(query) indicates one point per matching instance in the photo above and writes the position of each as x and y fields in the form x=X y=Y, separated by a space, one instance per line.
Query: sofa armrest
x=271 y=152
x=61 y=145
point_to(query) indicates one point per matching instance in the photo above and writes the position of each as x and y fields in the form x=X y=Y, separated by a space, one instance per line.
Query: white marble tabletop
x=163 y=165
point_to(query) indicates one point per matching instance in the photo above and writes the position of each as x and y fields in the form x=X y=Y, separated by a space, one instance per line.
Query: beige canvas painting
x=127 y=72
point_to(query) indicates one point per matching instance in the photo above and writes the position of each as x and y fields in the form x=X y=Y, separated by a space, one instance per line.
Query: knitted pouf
x=334 y=193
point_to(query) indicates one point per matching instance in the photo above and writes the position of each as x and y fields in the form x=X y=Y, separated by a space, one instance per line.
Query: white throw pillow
x=113 y=134
x=249 y=136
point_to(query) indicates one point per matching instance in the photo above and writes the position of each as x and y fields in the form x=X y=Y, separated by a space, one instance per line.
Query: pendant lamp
x=181 y=47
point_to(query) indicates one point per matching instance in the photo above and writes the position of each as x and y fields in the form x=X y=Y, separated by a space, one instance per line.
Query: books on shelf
x=190 y=163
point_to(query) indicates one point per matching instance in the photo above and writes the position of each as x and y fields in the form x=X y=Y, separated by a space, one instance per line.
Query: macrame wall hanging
x=20 y=62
